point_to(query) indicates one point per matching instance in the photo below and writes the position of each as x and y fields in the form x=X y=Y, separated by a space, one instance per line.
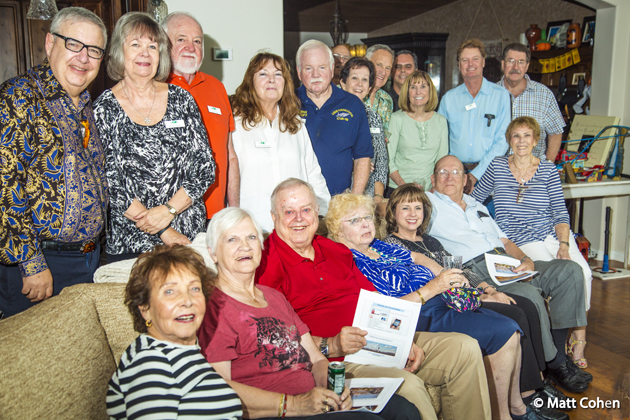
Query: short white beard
x=186 y=69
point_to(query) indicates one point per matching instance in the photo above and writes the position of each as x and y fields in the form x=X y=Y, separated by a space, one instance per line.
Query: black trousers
x=67 y=268
x=533 y=357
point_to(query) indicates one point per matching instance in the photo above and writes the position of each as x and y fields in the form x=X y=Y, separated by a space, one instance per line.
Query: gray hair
x=226 y=219
x=137 y=23
x=175 y=15
x=75 y=15
x=412 y=54
x=370 y=51
x=291 y=183
x=311 y=45
x=517 y=46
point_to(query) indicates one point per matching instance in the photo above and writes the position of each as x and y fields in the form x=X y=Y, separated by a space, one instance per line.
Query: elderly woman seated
x=253 y=338
x=163 y=374
x=392 y=270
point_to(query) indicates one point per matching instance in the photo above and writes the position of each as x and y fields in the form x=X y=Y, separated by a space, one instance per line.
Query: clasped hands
x=352 y=339
x=153 y=220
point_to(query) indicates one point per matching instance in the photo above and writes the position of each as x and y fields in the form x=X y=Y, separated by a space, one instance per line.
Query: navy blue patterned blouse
x=394 y=273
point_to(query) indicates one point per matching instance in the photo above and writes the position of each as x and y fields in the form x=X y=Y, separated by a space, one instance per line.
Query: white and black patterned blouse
x=381 y=159
x=151 y=163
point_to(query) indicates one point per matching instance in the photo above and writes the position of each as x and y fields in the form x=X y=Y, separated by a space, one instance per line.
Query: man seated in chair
x=322 y=283
x=464 y=227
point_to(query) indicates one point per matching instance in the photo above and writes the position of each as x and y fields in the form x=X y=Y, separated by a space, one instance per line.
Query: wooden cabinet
x=23 y=39
x=552 y=80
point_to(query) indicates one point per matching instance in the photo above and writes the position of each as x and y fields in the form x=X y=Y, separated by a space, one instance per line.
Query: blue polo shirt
x=340 y=133
x=471 y=140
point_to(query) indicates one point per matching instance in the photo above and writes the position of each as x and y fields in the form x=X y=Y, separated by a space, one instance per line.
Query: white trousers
x=547 y=251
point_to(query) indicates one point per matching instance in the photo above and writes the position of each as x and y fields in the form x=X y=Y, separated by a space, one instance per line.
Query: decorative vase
x=533 y=35
x=574 y=36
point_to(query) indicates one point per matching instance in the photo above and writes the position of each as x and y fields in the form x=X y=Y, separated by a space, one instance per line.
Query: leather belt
x=84 y=247
x=479 y=258
x=470 y=166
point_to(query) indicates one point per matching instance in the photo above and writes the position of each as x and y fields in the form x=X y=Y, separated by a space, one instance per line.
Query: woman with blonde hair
x=418 y=135
x=270 y=141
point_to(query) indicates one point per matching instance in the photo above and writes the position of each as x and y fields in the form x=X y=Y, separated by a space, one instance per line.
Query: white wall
x=611 y=96
x=246 y=26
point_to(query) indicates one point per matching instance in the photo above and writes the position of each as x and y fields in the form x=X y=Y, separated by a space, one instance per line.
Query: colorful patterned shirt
x=52 y=188
x=537 y=101
x=383 y=105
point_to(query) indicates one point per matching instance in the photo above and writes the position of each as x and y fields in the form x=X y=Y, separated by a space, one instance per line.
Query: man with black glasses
x=53 y=193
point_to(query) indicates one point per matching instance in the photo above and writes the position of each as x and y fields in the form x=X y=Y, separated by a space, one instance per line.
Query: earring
x=148 y=323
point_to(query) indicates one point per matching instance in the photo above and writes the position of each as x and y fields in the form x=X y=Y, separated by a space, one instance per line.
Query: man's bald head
x=448 y=182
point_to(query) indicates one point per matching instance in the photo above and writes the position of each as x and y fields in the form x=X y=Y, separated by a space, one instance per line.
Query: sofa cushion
x=113 y=315
x=56 y=361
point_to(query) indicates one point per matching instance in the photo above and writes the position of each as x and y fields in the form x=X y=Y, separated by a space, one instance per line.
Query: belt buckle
x=88 y=246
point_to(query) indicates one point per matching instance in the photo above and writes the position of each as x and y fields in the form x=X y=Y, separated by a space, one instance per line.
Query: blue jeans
x=67 y=267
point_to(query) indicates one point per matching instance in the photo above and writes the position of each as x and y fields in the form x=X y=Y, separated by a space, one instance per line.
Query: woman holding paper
x=392 y=270
x=530 y=209
x=253 y=338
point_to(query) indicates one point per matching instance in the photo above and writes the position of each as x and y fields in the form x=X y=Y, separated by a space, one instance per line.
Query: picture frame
x=576 y=78
x=588 y=29
x=553 y=27
x=221 y=54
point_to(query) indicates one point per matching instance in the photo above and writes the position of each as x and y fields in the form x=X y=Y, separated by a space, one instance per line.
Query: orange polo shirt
x=216 y=113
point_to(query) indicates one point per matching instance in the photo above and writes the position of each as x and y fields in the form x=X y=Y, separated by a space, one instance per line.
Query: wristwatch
x=171 y=209
x=323 y=346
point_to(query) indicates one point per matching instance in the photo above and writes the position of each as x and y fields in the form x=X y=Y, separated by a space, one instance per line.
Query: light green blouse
x=414 y=147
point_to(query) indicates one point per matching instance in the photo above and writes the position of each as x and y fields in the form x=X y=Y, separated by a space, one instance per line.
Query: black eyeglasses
x=77 y=46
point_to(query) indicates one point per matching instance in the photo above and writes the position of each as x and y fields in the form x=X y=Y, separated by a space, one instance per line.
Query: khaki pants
x=452 y=362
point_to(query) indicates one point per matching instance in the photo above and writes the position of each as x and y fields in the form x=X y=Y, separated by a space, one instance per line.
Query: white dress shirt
x=266 y=157
x=467 y=233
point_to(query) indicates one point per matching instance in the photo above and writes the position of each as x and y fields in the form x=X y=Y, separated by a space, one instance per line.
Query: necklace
x=421 y=242
x=522 y=172
x=147 y=120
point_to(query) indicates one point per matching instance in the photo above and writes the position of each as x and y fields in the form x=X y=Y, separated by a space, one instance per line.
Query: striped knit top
x=542 y=202
x=162 y=380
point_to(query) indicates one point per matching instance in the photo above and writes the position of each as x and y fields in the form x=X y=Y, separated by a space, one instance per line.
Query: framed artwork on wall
x=553 y=28
x=588 y=29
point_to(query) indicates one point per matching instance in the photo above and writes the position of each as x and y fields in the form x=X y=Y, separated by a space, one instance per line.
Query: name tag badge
x=214 y=110
x=375 y=130
x=471 y=106
x=262 y=144
x=174 y=124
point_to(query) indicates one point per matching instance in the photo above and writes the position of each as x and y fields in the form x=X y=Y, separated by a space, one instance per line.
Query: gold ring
x=326 y=402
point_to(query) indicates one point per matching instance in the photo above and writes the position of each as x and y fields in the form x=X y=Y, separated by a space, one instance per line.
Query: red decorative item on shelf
x=533 y=36
x=574 y=36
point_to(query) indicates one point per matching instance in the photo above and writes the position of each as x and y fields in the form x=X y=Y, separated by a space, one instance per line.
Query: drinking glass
x=453 y=261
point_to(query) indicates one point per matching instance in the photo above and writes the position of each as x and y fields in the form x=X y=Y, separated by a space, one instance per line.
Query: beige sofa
x=57 y=357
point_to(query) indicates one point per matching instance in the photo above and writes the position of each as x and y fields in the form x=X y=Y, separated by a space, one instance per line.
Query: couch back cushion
x=56 y=358
x=114 y=316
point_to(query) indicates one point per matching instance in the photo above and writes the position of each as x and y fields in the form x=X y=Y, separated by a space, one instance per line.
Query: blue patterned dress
x=395 y=274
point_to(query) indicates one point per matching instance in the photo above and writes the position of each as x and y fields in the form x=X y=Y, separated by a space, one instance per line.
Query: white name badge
x=471 y=106
x=375 y=130
x=174 y=124
x=214 y=110
x=263 y=144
